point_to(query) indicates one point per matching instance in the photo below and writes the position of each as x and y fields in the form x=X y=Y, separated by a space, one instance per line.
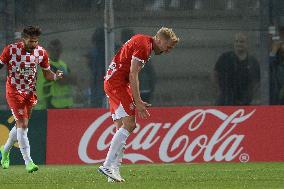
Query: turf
x=207 y=175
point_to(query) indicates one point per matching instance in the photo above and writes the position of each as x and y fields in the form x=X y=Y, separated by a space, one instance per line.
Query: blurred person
x=96 y=58
x=53 y=94
x=22 y=59
x=121 y=85
x=83 y=90
x=237 y=74
x=276 y=68
x=281 y=33
x=147 y=76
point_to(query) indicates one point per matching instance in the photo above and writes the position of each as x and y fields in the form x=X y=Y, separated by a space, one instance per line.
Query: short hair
x=167 y=33
x=31 y=31
x=241 y=35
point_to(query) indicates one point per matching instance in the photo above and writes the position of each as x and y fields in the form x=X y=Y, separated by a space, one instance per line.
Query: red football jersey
x=22 y=66
x=139 y=47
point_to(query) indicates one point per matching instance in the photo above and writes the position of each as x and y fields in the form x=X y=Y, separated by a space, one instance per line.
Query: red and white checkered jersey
x=139 y=47
x=22 y=66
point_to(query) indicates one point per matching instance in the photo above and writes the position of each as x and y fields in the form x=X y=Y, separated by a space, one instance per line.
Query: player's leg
x=12 y=139
x=117 y=147
x=5 y=149
x=120 y=105
x=22 y=120
x=15 y=102
x=107 y=171
x=118 y=159
x=127 y=125
x=111 y=166
x=115 y=153
x=24 y=144
x=22 y=137
x=30 y=165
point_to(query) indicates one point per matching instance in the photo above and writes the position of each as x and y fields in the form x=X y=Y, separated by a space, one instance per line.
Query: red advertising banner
x=180 y=134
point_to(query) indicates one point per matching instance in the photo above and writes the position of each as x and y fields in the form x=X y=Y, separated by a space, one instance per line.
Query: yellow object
x=53 y=92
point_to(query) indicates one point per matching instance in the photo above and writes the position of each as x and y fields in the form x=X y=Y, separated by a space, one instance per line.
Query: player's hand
x=142 y=109
x=59 y=74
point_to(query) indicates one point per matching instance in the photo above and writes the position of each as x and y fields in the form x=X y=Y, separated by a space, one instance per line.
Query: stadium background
x=206 y=29
x=184 y=77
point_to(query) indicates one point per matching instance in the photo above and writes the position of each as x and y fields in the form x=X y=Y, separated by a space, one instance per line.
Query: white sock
x=116 y=146
x=11 y=140
x=118 y=158
x=22 y=136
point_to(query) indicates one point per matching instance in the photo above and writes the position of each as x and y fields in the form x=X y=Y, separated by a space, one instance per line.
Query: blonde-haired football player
x=121 y=85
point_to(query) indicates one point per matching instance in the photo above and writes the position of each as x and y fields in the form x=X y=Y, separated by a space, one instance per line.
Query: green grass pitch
x=147 y=176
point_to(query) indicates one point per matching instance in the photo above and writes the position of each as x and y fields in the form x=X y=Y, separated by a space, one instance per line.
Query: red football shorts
x=120 y=101
x=21 y=104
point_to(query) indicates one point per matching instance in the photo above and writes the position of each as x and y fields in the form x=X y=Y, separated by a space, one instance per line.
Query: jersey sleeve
x=5 y=56
x=44 y=64
x=141 y=52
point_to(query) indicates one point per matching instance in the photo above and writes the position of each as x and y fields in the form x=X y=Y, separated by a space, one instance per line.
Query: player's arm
x=50 y=75
x=5 y=57
x=135 y=68
x=47 y=73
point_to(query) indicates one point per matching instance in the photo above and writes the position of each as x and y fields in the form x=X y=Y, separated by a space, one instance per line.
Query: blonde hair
x=167 y=33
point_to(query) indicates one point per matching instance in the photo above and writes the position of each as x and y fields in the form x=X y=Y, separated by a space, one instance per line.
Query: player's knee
x=133 y=127
x=130 y=127
x=22 y=124
x=129 y=123
x=118 y=124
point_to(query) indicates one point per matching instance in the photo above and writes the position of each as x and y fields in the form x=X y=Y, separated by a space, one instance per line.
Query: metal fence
x=207 y=29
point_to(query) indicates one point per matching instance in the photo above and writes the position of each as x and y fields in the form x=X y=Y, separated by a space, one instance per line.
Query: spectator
x=276 y=66
x=237 y=74
x=96 y=59
x=147 y=82
x=55 y=94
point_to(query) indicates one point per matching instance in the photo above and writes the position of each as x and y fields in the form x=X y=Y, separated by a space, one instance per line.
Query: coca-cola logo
x=173 y=141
